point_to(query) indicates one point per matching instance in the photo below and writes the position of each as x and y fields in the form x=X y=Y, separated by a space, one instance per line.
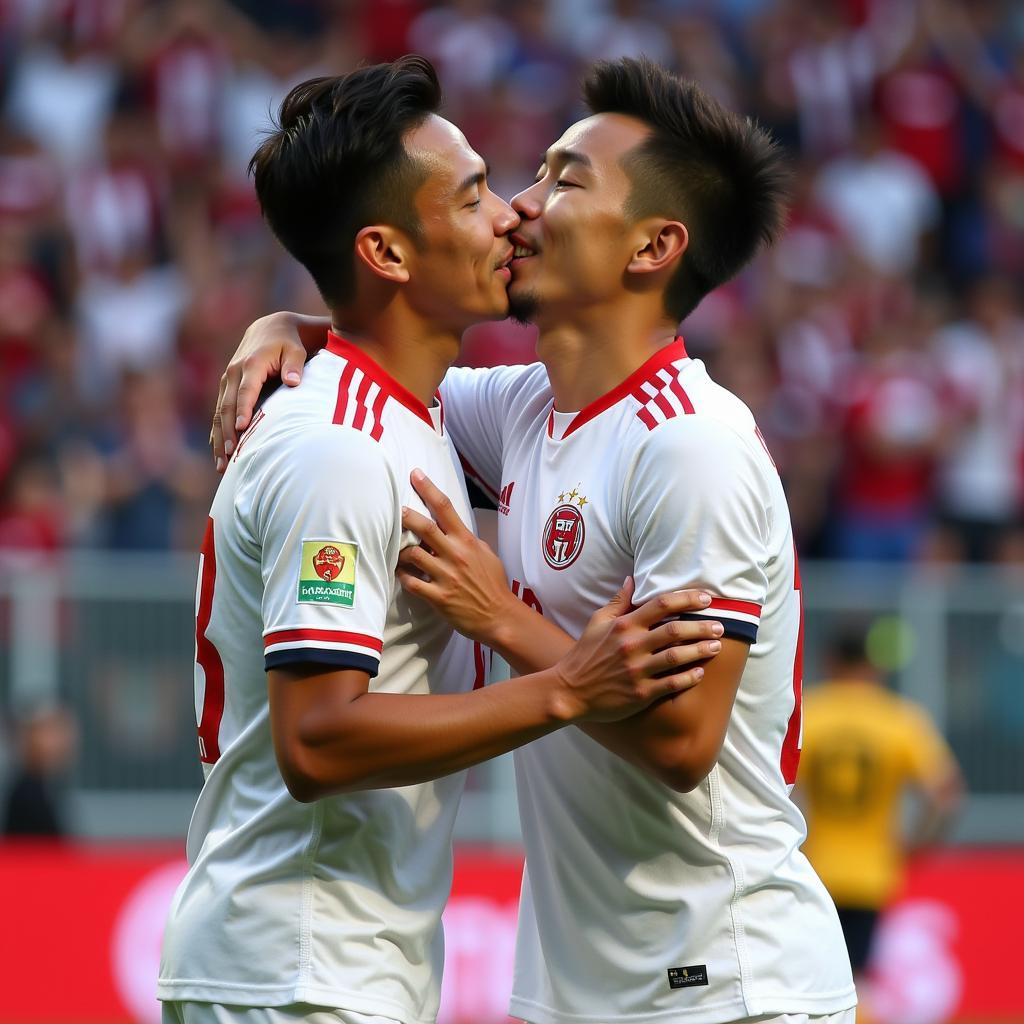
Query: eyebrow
x=477 y=178
x=566 y=156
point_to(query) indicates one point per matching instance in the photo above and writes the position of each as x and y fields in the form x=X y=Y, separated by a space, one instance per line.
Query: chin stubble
x=523 y=308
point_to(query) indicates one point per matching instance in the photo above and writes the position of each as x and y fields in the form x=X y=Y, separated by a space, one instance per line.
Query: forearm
x=678 y=740
x=529 y=642
x=646 y=743
x=380 y=740
x=526 y=640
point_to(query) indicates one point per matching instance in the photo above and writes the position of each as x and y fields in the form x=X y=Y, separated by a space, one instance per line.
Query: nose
x=528 y=202
x=505 y=218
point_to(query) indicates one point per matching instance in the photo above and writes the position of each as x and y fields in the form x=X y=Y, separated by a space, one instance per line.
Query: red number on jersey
x=791 y=744
x=207 y=655
x=527 y=596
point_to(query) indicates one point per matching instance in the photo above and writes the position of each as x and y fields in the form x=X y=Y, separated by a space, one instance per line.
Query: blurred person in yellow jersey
x=864 y=749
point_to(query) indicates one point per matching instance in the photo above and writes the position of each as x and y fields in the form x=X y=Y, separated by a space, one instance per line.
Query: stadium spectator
x=45 y=737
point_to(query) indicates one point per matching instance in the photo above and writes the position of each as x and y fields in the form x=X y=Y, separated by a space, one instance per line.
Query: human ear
x=385 y=251
x=661 y=243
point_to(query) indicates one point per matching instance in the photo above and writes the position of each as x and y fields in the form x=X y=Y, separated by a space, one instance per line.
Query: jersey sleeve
x=477 y=403
x=927 y=754
x=697 y=515
x=326 y=521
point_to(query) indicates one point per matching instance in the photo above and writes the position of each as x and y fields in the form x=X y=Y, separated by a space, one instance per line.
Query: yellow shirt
x=862 y=747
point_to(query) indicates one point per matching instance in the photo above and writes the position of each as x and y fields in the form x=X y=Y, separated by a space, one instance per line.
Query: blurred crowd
x=880 y=343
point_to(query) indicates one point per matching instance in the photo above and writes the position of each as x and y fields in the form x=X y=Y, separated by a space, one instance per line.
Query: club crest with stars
x=565 y=530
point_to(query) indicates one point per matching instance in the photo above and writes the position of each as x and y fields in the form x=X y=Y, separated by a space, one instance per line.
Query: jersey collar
x=358 y=358
x=670 y=353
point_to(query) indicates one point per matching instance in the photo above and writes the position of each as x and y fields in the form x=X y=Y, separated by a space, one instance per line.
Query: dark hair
x=716 y=172
x=336 y=162
x=848 y=646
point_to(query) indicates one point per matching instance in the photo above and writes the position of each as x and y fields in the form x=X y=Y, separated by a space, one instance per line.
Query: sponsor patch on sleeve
x=327 y=574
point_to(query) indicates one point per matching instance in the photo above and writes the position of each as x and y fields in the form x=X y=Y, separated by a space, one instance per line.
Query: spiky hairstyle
x=336 y=163
x=718 y=173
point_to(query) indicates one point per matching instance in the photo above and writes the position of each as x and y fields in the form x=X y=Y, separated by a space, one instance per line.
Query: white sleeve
x=325 y=517
x=477 y=404
x=698 y=514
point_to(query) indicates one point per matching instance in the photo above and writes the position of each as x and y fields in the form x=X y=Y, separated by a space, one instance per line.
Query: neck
x=588 y=355
x=415 y=354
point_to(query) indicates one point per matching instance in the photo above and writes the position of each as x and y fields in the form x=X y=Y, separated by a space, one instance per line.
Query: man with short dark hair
x=664 y=879
x=335 y=714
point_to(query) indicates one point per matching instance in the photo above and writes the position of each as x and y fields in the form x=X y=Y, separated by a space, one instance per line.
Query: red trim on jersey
x=344 y=383
x=208 y=656
x=378 y=415
x=479 y=665
x=646 y=417
x=551 y=422
x=684 y=399
x=746 y=607
x=467 y=468
x=332 y=636
x=660 y=399
x=662 y=358
x=361 y=392
x=790 y=760
x=664 y=405
x=440 y=406
x=388 y=385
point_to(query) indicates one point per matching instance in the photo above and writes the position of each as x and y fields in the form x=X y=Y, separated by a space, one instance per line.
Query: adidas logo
x=505 y=498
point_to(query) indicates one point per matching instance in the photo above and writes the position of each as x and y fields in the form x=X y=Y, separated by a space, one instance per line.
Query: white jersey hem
x=227 y=994
x=708 y=1013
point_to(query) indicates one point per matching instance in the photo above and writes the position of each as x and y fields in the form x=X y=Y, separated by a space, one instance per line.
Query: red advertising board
x=81 y=936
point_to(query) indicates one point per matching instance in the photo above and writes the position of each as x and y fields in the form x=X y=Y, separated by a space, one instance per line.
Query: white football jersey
x=337 y=902
x=640 y=903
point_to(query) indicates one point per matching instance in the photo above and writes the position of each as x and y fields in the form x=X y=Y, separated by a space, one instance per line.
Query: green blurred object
x=890 y=643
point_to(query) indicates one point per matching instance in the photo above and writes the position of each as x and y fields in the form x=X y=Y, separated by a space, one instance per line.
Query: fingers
x=216 y=433
x=664 y=606
x=672 y=685
x=411 y=583
x=698 y=638
x=292 y=364
x=253 y=377
x=438 y=503
x=424 y=527
x=226 y=401
x=620 y=604
x=419 y=559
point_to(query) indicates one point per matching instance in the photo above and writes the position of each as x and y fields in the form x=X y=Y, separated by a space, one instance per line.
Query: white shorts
x=296 y=1013
x=842 y=1017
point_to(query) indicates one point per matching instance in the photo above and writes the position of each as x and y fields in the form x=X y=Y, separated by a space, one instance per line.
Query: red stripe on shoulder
x=344 y=383
x=659 y=401
x=678 y=390
x=360 y=415
x=645 y=416
x=378 y=414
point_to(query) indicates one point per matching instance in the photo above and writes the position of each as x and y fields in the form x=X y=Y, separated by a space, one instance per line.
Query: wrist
x=564 y=707
x=507 y=627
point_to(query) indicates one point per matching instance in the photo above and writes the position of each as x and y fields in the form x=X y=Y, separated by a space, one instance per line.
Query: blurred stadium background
x=880 y=344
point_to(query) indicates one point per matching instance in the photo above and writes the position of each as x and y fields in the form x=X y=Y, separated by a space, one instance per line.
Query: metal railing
x=111 y=636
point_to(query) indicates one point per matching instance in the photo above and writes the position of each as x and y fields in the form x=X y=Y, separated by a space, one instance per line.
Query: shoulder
x=721 y=447
x=316 y=453
x=508 y=380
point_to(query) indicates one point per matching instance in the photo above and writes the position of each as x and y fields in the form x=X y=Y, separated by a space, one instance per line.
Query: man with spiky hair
x=335 y=714
x=664 y=879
